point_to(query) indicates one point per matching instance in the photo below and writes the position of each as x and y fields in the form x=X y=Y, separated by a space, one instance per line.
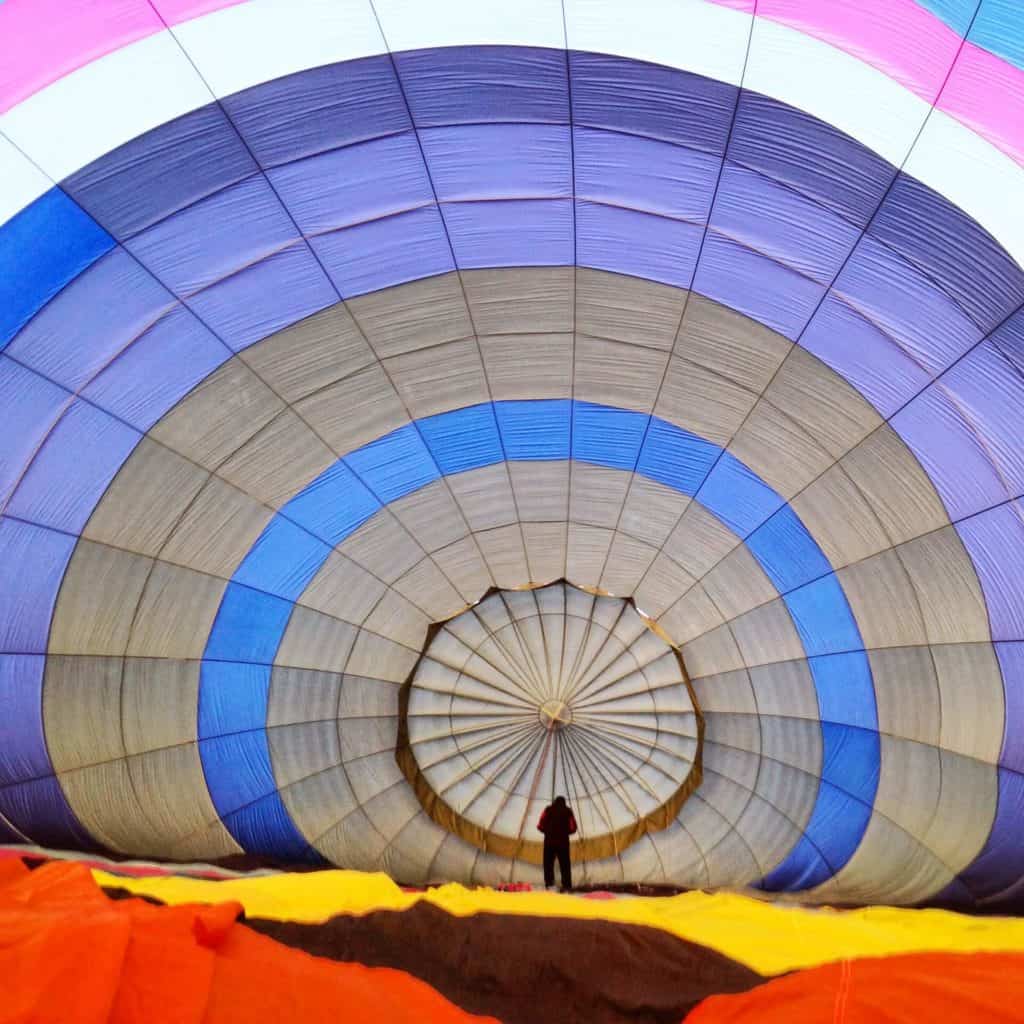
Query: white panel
x=23 y=182
x=701 y=37
x=104 y=104
x=412 y=24
x=264 y=39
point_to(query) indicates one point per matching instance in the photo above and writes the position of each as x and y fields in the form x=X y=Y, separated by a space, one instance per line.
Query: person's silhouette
x=557 y=823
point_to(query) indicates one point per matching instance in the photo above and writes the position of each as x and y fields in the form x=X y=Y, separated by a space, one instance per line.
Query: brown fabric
x=523 y=970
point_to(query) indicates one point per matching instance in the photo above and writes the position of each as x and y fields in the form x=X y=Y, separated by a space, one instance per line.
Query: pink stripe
x=44 y=40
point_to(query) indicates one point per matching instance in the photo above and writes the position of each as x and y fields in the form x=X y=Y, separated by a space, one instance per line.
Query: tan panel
x=908 y=784
x=485 y=496
x=692 y=616
x=175 y=613
x=699 y=540
x=785 y=688
x=300 y=751
x=279 y=461
x=779 y=450
x=414 y=315
x=616 y=373
x=355 y=411
x=217 y=531
x=738 y=348
x=414 y=850
x=159 y=701
x=767 y=634
x=713 y=650
x=971 y=698
x=829 y=409
x=400 y=620
x=431 y=516
x=435 y=380
x=365 y=737
x=767 y=831
x=952 y=604
x=315 y=641
x=651 y=510
x=455 y=858
x=896 y=485
x=723 y=695
x=343 y=589
x=790 y=766
x=317 y=804
x=628 y=560
x=376 y=657
x=702 y=402
x=525 y=300
x=97 y=600
x=523 y=366
x=503 y=549
x=906 y=693
x=311 y=354
x=541 y=490
x=208 y=843
x=597 y=494
x=586 y=551
x=427 y=588
x=142 y=504
x=301 y=695
x=679 y=857
x=463 y=564
x=82 y=710
x=104 y=801
x=367 y=698
x=840 y=519
x=352 y=840
x=545 y=550
x=737 y=583
x=661 y=586
x=219 y=415
x=627 y=308
x=383 y=546
x=883 y=601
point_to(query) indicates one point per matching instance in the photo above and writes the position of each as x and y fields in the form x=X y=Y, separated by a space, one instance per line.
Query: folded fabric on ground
x=957 y=987
x=766 y=937
x=69 y=954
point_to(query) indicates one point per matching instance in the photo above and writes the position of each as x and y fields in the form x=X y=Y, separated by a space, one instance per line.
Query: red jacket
x=557 y=824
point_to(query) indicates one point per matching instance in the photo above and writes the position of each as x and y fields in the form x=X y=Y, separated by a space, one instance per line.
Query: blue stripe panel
x=999 y=27
x=251 y=622
x=43 y=247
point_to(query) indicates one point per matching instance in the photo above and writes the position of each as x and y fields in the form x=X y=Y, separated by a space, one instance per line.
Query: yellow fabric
x=770 y=938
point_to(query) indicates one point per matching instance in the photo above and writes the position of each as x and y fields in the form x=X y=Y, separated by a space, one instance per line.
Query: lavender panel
x=386 y=252
x=22 y=741
x=1011 y=664
x=91 y=320
x=640 y=244
x=320 y=109
x=499 y=161
x=274 y=294
x=995 y=542
x=644 y=174
x=516 y=233
x=348 y=186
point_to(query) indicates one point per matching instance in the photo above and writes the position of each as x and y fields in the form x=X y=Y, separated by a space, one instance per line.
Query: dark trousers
x=559 y=851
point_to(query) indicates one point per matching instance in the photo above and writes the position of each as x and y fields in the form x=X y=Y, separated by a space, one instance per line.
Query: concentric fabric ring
x=536 y=364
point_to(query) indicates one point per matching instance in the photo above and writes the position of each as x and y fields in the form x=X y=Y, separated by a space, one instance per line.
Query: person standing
x=557 y=823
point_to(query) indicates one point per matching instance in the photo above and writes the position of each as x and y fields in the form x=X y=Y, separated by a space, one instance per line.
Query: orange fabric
x=909 y=989
x=69 y=954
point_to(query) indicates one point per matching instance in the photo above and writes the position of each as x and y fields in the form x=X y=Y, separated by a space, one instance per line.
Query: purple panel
x=1009 y=340
x=781 y=224
x=22 y=741
x=902 y=301
x=954 y=456
x=499 y=161
x=995 y=542
x=1011 y=664
x=467 y=84
x=313 y=111
x=648 y=99
x=348 y=186
x=516 y=233
x=644 y=174
x=274 y=294
x=197 y=247
x=756 y=286
x=386 y=252
x=164 y=170
x=170 y=359
x=91 y=320
x=73 y=468
x=31 y=405
x=863 y=354
x=817 y=160
x=641 y=244
x=37 y=558
x=958 y=255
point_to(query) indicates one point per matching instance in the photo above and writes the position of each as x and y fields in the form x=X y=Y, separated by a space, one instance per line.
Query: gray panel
x=435 y=380
x=528 y=366
x=616 y=373
x=158 y=703
x=627 y=308
x=520 y=300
